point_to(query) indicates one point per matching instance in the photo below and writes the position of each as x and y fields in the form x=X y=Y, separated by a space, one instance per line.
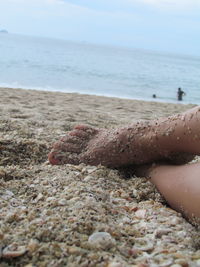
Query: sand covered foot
x=136 y=144
x=112 y=148
x=72 y=147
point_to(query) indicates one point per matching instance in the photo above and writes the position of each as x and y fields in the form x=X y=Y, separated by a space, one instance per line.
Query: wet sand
x=50 y=215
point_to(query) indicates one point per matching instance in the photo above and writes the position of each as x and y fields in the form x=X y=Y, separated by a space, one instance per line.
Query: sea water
x=66 y=66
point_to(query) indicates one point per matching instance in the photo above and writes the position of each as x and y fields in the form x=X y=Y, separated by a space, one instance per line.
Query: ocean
x=66 y=66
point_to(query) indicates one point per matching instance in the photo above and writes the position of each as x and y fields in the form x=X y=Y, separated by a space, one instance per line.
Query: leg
x=141 y=143
x=180 y=186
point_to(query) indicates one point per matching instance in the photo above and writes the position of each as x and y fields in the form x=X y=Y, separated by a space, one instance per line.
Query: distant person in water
x=180 y=94
x=166 y=141
x=154 y=95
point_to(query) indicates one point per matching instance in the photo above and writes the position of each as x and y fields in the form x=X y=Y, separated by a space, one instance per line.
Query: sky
x=160 y=25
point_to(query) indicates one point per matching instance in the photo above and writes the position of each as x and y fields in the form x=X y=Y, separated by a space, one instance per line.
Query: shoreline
x=68 y=91
x=50 y=214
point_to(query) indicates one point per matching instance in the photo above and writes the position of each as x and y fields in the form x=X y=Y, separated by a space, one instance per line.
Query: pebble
x=9 y=193
x=143 y=244
x=115 y=264
x=160 y=232
x=101 y=240
x=88 y=178
x=32 y=245
x=140 y=213
x=50 y=199
x=39 y=197
x=62 y=202
x=166 y=263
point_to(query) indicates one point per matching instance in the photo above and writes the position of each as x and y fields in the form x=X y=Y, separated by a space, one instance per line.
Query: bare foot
x=137 y=144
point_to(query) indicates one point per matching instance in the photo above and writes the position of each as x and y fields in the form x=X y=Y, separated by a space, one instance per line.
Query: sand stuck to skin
x=81 y=215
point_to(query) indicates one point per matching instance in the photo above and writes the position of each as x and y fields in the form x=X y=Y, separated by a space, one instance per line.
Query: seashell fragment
x=115 y=264
x=175 y=221
x=9 y=252
x=62 y=202
x=143 y=244
x=88 y=178
x=166 y=263
x=32 y=245
x=162 y=231
x=9 y=193
x=141 y=214
x=181 y=262
x=39 y=197
x=75 y=250
x=50 y=199
x=11 y=217
x=101 y=240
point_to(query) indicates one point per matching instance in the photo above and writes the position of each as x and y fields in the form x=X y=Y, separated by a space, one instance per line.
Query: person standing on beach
x=180 y=94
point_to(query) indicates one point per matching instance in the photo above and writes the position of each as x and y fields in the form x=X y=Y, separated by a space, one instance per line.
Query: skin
x=176 y=138
x=180 y=186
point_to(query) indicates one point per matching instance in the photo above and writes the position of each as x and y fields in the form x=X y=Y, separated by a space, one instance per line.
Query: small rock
x=162 y=231
x=38 y=198
x=2 y=173
x=32 y=245
x=11 y=217
x=143 y=244
x=115 y=264
x=9 y=193
x=49 y=199
x=101 y=240
x=88 y=178
x=140 y=213
x=62 y=202
x=166 y=263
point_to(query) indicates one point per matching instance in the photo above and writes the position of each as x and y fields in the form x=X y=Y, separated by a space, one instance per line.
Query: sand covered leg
x=181 y=131
x=143 y=142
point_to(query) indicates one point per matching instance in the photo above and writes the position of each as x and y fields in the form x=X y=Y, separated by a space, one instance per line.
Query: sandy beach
x=81 y=215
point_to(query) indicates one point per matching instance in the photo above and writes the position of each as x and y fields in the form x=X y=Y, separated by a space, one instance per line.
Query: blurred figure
x=180 y=94
x=154 y=95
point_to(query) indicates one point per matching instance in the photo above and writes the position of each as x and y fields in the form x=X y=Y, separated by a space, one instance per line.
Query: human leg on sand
x=179 y=185
x=143 y=142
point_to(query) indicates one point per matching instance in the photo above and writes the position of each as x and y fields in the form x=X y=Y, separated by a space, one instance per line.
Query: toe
x=71 y=146
x=67 y=147
x=79 y=133
x=60 y=158
x=70 y=139
x=53 y=159
x=87 y=129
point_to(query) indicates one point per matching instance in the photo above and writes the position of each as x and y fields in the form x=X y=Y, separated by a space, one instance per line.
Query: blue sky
x=162 y=25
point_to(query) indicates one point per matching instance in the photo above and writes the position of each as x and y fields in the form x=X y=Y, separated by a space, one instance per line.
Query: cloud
x=170 y=4
x=132 y=6
x=116 y=4
x=164 y=24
